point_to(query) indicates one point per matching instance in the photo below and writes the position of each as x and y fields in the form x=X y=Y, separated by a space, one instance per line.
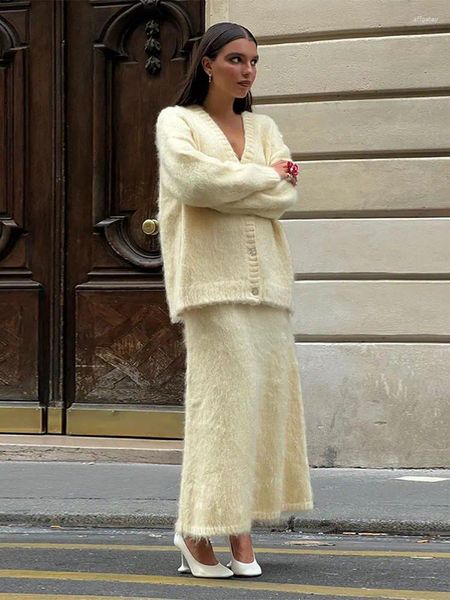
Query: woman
x=225 y=178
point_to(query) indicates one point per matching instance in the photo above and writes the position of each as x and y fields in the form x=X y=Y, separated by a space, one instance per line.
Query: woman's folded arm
x=229 y=187
x=274 y=202
x=198 y=179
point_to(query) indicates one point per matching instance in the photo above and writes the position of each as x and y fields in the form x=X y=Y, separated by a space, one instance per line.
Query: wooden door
x=86 y=345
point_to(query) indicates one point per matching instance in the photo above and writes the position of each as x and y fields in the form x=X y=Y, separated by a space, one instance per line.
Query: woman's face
x=235 y=62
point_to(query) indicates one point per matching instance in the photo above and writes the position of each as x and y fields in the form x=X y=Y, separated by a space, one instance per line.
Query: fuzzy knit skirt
x=245 y=454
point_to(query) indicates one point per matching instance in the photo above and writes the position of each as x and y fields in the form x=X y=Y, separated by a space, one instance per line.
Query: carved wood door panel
x=85 y=336
x=30 y=234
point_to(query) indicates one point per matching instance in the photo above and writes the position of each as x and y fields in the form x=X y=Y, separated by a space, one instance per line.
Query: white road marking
x=423 y=478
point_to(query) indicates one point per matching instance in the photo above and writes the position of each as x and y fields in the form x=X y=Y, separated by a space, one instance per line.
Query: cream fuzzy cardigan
x=220 y=237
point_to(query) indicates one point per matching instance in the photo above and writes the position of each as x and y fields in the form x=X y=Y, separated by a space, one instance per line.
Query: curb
x=290 y=523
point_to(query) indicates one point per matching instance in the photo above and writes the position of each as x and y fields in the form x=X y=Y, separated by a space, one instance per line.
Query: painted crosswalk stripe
x=258 y=550
x=188 y=581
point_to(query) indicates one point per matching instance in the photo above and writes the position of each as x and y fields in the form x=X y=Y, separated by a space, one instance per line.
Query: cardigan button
x=255 y=291
x=252 y=251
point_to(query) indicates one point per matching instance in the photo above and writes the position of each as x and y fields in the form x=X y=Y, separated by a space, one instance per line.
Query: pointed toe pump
x=242 y=569
x=190 y=564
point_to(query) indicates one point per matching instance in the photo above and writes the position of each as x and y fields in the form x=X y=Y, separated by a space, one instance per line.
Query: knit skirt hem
x=200 y=532
x=273 y=517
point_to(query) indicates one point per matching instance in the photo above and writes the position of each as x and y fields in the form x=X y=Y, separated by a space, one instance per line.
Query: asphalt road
x=87 y=564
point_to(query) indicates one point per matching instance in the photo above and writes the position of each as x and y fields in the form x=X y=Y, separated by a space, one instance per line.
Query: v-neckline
x=219 y=130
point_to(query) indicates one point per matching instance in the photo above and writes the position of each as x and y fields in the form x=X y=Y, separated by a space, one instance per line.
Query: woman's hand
x=281 y=168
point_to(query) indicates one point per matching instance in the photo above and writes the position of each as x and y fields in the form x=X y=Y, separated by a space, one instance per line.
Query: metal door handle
x=150 y=226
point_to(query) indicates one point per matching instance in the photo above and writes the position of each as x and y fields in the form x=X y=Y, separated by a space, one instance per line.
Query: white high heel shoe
x=198 y=569
x=243 y=569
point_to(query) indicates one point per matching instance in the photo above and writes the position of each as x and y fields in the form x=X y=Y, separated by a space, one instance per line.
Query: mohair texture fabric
x=245 y=454
x=218 y=215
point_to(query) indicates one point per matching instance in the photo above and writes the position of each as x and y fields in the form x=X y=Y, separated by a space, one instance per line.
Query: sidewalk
x=145 y=495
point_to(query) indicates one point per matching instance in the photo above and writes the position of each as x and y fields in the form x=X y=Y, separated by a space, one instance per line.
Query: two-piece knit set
x=229 y=279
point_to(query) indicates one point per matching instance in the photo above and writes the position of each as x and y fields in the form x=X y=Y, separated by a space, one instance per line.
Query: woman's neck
x=219 y=107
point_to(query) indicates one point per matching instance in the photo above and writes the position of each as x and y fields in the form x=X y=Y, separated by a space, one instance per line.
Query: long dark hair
x=194 y=87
